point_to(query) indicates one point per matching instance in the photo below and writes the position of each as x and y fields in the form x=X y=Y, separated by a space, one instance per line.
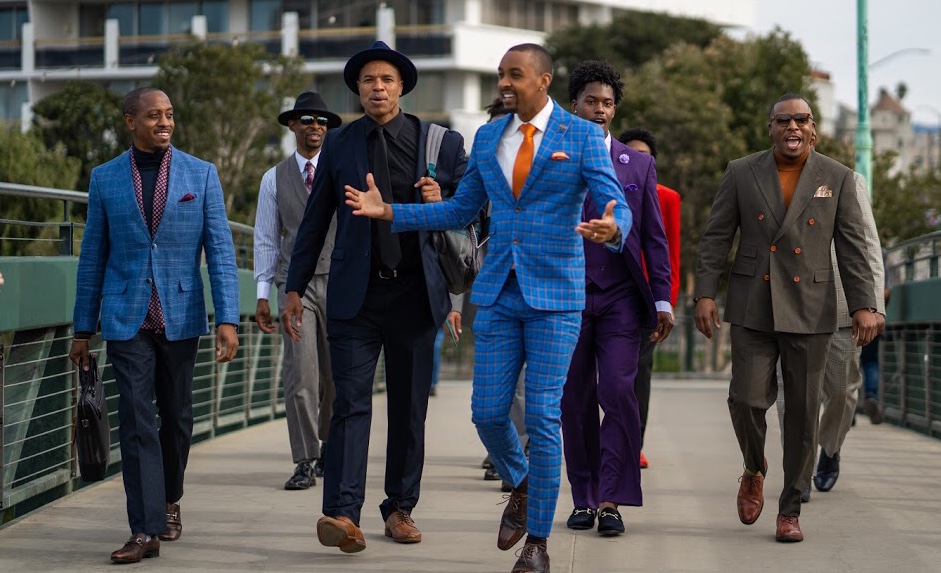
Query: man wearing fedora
x=305 y=371
x=384 y=291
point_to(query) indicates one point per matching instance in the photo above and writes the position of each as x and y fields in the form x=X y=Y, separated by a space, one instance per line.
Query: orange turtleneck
x=789 y=171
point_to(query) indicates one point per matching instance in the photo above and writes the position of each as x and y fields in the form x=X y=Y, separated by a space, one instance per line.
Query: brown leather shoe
x=788 y=529
x=136 y=549
x=401 y=528
x=340 y=532
x=513 y=522
x=174 y=523
x=751 y=497
x=533 y=558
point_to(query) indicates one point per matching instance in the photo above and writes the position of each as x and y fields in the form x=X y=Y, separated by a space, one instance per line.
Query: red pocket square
x=187 y=197
x=559 y=155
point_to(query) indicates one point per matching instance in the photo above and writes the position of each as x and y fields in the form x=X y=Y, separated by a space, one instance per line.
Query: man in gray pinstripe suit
x=308 y=382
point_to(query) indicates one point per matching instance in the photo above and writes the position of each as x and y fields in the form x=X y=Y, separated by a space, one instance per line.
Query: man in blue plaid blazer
x=531 y=289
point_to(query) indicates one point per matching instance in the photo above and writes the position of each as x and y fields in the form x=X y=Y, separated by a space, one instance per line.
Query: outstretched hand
x=600 y=230
x=368 y=203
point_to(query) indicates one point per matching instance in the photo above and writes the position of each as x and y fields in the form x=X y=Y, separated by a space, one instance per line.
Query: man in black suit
x=385 y=291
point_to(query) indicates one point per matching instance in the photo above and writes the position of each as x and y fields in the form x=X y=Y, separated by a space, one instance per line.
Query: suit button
x=761 y=216
x=797 y=279
x=797 y=251
x=767 y=278
x=811 y=221
x=518 y=209
x=154 y=246
x=150 y=280
x=773 y=248
x=516 y=241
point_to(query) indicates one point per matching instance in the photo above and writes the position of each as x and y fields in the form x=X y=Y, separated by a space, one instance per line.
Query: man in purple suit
x=603 y=458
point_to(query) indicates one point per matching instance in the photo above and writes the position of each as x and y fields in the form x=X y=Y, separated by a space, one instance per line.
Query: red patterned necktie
x=309 y=180
x=154 y=319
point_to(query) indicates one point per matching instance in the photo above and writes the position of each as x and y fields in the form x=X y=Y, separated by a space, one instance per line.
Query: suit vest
x=292 y=197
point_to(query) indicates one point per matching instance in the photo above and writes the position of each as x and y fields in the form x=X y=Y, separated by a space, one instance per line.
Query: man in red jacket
x=643 y=141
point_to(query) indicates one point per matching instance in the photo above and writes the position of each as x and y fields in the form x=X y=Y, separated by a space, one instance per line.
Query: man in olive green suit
x=789 y=204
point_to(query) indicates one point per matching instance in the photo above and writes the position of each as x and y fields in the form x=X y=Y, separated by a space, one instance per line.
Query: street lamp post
x=863 y=129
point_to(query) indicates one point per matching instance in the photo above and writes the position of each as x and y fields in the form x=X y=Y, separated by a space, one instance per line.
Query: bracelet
x=79 y=338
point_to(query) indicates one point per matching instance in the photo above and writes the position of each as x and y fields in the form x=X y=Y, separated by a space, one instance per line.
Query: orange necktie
x=524 y=159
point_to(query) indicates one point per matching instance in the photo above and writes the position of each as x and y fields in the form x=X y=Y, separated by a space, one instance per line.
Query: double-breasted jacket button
x=767 y=278
x=761 y=216
x=811 y=221
x=797 y=279
x=773 y=248
x=797 y=251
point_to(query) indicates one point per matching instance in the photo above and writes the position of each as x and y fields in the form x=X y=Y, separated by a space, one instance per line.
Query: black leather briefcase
x=92 y=431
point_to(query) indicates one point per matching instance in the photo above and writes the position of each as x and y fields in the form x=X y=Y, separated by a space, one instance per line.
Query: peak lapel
x=766 y=174
x=555 y=130
x=803 y=193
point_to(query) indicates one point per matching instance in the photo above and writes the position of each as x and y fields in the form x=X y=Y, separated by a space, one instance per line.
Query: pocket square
x=559 y=156
x=823 y=191
x=187 y=197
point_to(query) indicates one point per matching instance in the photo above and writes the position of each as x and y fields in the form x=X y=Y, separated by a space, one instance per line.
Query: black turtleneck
x=148 y=164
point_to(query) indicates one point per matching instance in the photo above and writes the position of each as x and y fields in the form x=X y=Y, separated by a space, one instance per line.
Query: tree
x=25 y=160
x=905 y=205
x=86 y=119
x=225 y=101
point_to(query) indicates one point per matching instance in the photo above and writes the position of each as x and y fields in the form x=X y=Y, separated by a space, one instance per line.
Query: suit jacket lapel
x=555 y=130
x=489 y=165
x=803 y=193
x=176 y=186
x=126 y=192
x=766 y=172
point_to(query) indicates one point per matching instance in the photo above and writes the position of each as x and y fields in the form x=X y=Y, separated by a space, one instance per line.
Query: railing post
x=65 y=232
x=2 y=448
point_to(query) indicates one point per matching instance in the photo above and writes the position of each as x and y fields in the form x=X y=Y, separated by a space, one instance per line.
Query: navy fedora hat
x=380 y=51
x=310 y=103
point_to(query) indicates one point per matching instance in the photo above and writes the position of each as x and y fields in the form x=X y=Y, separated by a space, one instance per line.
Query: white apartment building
x=456 y=44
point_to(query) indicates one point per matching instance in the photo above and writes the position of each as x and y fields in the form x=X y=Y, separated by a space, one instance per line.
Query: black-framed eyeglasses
x=784 y=119
x=309 y=119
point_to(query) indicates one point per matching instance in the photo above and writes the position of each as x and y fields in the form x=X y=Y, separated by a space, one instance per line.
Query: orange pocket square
x=559 y=156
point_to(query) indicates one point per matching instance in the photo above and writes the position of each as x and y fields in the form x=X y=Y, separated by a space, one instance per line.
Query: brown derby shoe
x=401 y=528
x=513 y=522
x=340 y=532
x=136 y=549
x=174 y=523
x=751 y=496
x=788 y=529
x=533 y=558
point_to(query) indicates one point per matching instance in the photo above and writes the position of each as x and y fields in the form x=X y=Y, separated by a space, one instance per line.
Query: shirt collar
x=302 y=161
x=540 y=120
x=607 y=141
x=392 y=127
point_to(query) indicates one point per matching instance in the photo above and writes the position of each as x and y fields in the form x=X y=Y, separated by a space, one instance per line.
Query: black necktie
x=390 y=253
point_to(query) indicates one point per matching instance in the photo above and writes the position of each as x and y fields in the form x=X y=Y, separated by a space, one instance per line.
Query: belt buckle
x=394 y=274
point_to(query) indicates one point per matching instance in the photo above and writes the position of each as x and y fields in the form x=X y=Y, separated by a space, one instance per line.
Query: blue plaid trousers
x=506 y=334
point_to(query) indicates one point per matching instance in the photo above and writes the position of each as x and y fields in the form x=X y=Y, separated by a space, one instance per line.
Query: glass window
x=427 y=95
x=217 y=15
x=302 y=7
x=152 y=20
x=336 y=95
x=91 y=20
x=21 y=16
x=265 y=15
x=180 y=17
x=12 y=98
x=124 y=14
x=6 y=25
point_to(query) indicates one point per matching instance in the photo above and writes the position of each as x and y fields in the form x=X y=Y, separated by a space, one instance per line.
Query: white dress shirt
x=512 y=138
x=268 y=226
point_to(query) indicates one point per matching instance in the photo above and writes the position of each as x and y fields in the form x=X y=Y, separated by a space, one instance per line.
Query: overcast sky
x=827 y=30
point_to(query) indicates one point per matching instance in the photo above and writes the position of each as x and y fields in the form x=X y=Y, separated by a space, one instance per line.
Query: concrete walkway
x=882 y=516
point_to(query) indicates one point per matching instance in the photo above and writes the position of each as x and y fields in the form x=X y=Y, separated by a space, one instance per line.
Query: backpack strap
x=433 y=146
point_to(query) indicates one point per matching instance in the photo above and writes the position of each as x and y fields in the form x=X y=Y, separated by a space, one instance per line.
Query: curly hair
x=595 y=71
x=640 y=134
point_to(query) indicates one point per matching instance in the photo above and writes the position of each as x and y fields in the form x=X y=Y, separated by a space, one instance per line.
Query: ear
x=129 y=121
x=574 y=106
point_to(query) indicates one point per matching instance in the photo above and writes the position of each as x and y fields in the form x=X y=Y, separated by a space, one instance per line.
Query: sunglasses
x=784 y=119
x=309 y=119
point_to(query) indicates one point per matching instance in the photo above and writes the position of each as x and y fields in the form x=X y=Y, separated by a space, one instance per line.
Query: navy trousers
x=396 y=317
x=153 y=460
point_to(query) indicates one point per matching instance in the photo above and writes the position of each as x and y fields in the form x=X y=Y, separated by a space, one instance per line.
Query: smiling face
x=152 y=126
x=309 y=137
x=380 y=86
x=791 y=139
x=596 y=104
x=521 y=85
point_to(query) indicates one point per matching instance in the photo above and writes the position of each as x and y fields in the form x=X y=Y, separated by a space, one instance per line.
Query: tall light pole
x=863 y=129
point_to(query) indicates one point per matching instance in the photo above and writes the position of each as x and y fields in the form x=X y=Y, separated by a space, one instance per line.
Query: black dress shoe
x=609 y=522
x=873 y=410
x=828 y=470
x=513 y=521
x=303 y=477
x=318 y=467
x=581 y=518
x=491 y=474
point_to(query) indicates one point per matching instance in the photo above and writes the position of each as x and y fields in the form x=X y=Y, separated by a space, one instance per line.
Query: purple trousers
x=602 y=457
